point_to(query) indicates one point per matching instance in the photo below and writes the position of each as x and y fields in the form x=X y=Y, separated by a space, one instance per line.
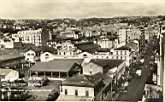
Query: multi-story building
x=133 y=34
x=122 y=53
x=28 y=36
x=66 y=48
x=122 y=36
x=104 y=42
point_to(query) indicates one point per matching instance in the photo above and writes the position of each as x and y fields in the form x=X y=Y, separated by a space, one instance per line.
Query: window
x=28 y=54
x=125 y=52
x=76 y=92
x=66 y=92
x=84 y=55
x=87 y=93
x=46 y=56
x=116 y=52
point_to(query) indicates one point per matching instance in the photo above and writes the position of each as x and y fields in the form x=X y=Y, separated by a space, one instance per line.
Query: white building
x=133 y=33
x=46 y=57
x=67 y=49
x=122 y=53
x=109 y=67
x=8 y=74
x=80 y=88
x=28 y=36
x=104 y=42
x=30 y=56
x=122 y=36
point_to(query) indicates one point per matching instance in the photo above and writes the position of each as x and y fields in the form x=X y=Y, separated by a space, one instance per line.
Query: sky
x=50 y=9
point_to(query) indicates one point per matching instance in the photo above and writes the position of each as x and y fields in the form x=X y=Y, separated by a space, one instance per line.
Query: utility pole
x=160 y=70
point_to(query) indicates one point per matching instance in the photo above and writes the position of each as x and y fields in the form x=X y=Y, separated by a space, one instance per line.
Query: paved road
x=136 y=86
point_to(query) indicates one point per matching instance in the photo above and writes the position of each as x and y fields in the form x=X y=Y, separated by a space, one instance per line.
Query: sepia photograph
x=82 y=50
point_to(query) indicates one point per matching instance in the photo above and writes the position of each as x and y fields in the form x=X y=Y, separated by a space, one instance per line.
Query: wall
x=46 y=57
x=123 y=55
x=81 y=90
x=91 y=68
x=30 y=56
x=12 y=75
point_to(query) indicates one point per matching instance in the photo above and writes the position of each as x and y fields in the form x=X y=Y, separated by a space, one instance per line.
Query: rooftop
x=88 y=47
x=107 y=63
x=57 y=65
x=5 y=71
x=7 y=54
x=123 y=48
x=83 y=80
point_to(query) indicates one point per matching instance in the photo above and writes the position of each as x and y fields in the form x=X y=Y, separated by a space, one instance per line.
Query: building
x=30 y=56
x=133 y=34
x=46 y=57
x=51 y=44
x=122 y=36
x=69 y=33
x=28 y=36
x=8 y=75
x=104 y=42
x=105 y=66
x=58 y=69
x=122 y=53
x=80 y=88
x=11 y=57
x=6 y=43
x=89 y=47
x=67 y=49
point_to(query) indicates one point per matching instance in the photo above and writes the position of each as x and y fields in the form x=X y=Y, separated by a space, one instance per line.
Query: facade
x=80 y=87
x=51 y=44
x=133 y=33
x=30 y=56
x=122 y=53
x=105 y=66
x=122 y=36
x=104 y=42
x=28 y=36
x=66 y=49
x=8 y=75
x=90 y=68
x=46 y=57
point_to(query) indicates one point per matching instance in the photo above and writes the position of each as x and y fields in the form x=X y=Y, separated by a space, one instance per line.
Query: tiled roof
x=58 y=65
x=107 y=63
x=88 y=47
x=83 y=80
x=10 y=54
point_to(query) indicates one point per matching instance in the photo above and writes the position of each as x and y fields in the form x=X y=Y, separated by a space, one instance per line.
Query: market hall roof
x=57 y=65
